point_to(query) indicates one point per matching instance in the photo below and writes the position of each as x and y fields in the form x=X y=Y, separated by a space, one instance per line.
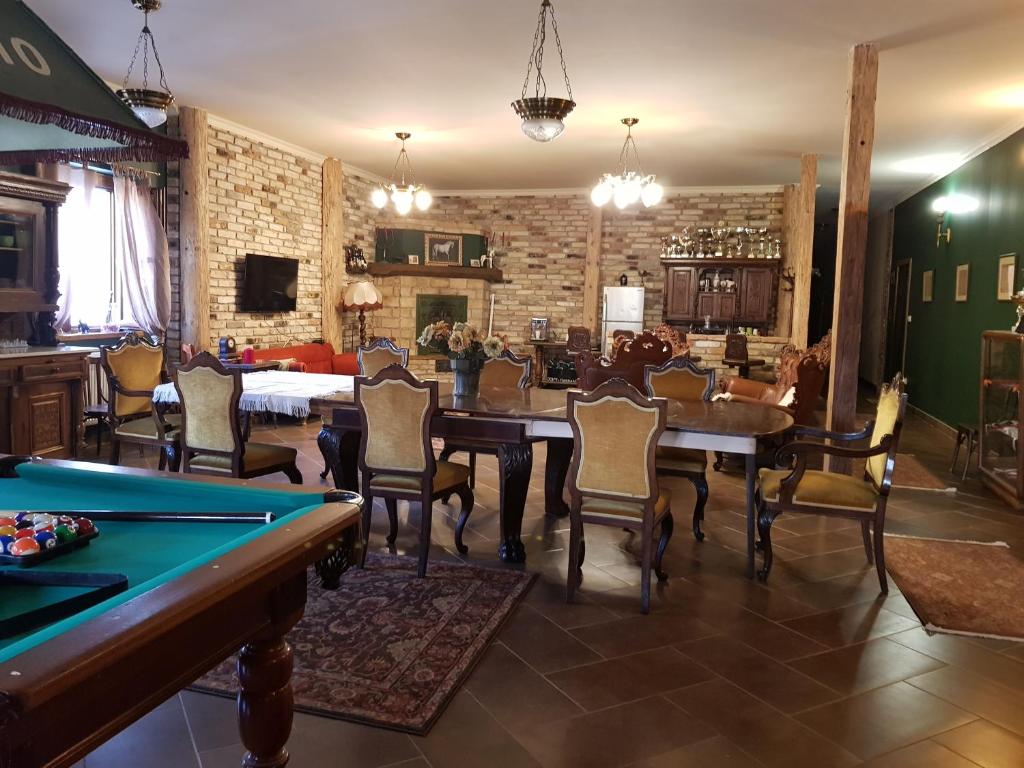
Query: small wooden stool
x=969 y=434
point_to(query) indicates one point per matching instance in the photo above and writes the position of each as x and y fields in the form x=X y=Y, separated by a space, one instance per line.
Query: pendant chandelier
x=149 y=105
x=543 y=115
x=628 y=186
x=406 y=191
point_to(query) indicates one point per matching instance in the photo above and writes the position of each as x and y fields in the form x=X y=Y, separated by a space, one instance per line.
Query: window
x=86 y=247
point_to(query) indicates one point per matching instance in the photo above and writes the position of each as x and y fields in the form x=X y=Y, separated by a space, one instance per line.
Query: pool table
x=198 y=591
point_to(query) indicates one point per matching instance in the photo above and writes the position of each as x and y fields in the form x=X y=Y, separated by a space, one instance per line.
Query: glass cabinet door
x=1000 y=406
x=18 y=265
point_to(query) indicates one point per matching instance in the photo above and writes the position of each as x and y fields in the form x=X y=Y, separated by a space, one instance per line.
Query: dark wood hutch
x=40 y=385
x=732 y=292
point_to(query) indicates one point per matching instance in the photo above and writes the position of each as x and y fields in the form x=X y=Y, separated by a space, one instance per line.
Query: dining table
x=512 y=420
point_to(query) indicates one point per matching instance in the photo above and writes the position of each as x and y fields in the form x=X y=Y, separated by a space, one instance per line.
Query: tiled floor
x=812 y=670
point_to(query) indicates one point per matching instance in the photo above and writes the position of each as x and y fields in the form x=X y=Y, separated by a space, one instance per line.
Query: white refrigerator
x=623 y=311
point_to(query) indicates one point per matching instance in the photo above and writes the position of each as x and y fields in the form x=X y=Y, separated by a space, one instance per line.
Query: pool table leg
x=265 y=675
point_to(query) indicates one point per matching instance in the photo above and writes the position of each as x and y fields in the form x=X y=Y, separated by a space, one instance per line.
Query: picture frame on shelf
x=413 y=258
x=474 y=262
x=928 y=286
x=1007 y=273
x=442 y=249
x=963 y=272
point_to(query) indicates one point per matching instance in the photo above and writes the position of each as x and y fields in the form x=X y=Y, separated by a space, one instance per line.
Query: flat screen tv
x=270 y=284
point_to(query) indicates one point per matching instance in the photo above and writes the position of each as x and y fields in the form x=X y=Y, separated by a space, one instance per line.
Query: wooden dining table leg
x=556 y=467
x=340 y=449
x=515 y=463
x=751 y=473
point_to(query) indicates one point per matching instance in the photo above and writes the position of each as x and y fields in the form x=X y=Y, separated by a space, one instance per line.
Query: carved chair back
x=577 y=339
x=506 y=370
x=736 y=347
x=679 y=379
x=379 y=354
x=209 y=395
x=673 y=337
x=395 y=409
x=134 y=365
x=615 y=433
x=889 y=414
x=645 y=348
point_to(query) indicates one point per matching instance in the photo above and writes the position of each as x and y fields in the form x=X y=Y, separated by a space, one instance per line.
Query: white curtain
x=142 y=256
x=83 y=244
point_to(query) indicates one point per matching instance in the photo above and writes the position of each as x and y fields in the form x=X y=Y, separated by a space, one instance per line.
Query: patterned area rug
x=389 y=649
x=960 y=587
x=911 y=473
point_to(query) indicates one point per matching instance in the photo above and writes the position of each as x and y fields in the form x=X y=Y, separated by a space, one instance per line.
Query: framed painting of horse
x=442 y=249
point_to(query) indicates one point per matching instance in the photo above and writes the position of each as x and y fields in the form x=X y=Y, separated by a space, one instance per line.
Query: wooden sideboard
x=749 y=299
x=41 y=398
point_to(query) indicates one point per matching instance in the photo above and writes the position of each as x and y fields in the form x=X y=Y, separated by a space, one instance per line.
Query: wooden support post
x=592 y=276
x=851 y=245
x=195 y=230
x=802 y=247
x=332 y=255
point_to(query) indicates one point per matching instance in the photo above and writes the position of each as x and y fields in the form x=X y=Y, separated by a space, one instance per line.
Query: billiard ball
x=24 y=533
x=63 y=520
x=8 y=521
x=5 y=543
x=8 y=530
x=85 y=526
x=46 y=539
x=25 y=522
x=41 y=517
x=64 y=534
x=25 y=546
x=43 y=527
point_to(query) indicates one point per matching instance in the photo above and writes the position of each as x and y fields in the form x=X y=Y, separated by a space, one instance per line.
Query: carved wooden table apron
x=513 y=419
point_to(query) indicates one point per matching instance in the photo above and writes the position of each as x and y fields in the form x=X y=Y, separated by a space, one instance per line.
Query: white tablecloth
x=287 y=392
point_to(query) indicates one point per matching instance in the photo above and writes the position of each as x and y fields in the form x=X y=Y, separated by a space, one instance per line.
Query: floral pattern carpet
x=389 y=649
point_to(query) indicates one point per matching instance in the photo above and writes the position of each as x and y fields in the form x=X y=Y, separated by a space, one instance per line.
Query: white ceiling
x=728 y=92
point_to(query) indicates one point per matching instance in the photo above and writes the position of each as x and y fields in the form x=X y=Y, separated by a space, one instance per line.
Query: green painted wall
x=944 y=337
x=396 y=245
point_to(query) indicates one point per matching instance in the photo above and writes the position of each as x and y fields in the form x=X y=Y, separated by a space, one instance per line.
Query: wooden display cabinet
x=746 y=292
x=1000 y=454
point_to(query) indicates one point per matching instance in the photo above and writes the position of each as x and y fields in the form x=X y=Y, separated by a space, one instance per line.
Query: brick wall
x=262 y=200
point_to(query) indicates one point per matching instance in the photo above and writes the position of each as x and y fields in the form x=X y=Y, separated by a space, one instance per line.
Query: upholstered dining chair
x=505 y=371
x=379 y=354
x=808 y=491
x=612 y=477
x=396 y=457
x=680 y=379
x=134 y=367
x=211 y=435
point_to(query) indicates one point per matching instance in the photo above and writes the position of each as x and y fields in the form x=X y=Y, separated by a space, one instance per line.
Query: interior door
x=899 y=310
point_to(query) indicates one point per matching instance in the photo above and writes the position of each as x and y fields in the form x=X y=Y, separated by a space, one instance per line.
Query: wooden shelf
x=382 y=269
x=744 y=262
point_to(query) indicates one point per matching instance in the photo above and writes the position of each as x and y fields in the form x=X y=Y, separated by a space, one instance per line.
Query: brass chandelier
x=543 y=116
x=402 y=190
x=148 y=104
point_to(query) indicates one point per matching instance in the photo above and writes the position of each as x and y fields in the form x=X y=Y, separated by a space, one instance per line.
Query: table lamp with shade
x=362 y=296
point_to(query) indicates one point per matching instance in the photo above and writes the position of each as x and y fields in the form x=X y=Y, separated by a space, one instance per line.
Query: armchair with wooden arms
x=628 y=363
x=807 y=491
x=134 y=367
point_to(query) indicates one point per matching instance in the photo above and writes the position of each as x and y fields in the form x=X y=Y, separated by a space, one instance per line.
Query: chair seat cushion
x=681 y=459
x=146 y=427
x=821 y=489
x=257 y=456
x=612 y=509
x=448 y=475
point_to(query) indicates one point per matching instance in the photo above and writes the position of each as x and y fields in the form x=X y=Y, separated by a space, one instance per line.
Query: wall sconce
x=950 y=204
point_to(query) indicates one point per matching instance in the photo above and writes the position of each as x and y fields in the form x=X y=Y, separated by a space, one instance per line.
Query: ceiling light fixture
x=149 y=105
x=628 y=186
x=543 y=116
x=406 y=192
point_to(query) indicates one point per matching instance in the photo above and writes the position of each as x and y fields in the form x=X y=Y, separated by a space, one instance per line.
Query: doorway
x=897 y=318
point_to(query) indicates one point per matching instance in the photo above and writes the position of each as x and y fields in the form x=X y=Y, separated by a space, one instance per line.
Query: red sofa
x=315 y=358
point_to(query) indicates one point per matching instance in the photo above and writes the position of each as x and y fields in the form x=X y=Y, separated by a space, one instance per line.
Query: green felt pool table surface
x=148 y=553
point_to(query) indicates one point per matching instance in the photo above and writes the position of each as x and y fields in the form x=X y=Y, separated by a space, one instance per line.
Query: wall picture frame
x=474 y=262
x=413 y=258
x=1007 y=273
x=963 y=272
x=442 y=249
x=928 y=286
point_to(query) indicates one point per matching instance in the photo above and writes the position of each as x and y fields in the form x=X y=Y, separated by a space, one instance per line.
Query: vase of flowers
x=463 y=346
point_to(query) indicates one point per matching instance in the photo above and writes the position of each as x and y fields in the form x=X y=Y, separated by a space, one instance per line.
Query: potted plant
x=463 y=345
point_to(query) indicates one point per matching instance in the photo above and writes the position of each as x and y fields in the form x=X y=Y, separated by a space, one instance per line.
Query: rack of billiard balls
x=31 y=537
